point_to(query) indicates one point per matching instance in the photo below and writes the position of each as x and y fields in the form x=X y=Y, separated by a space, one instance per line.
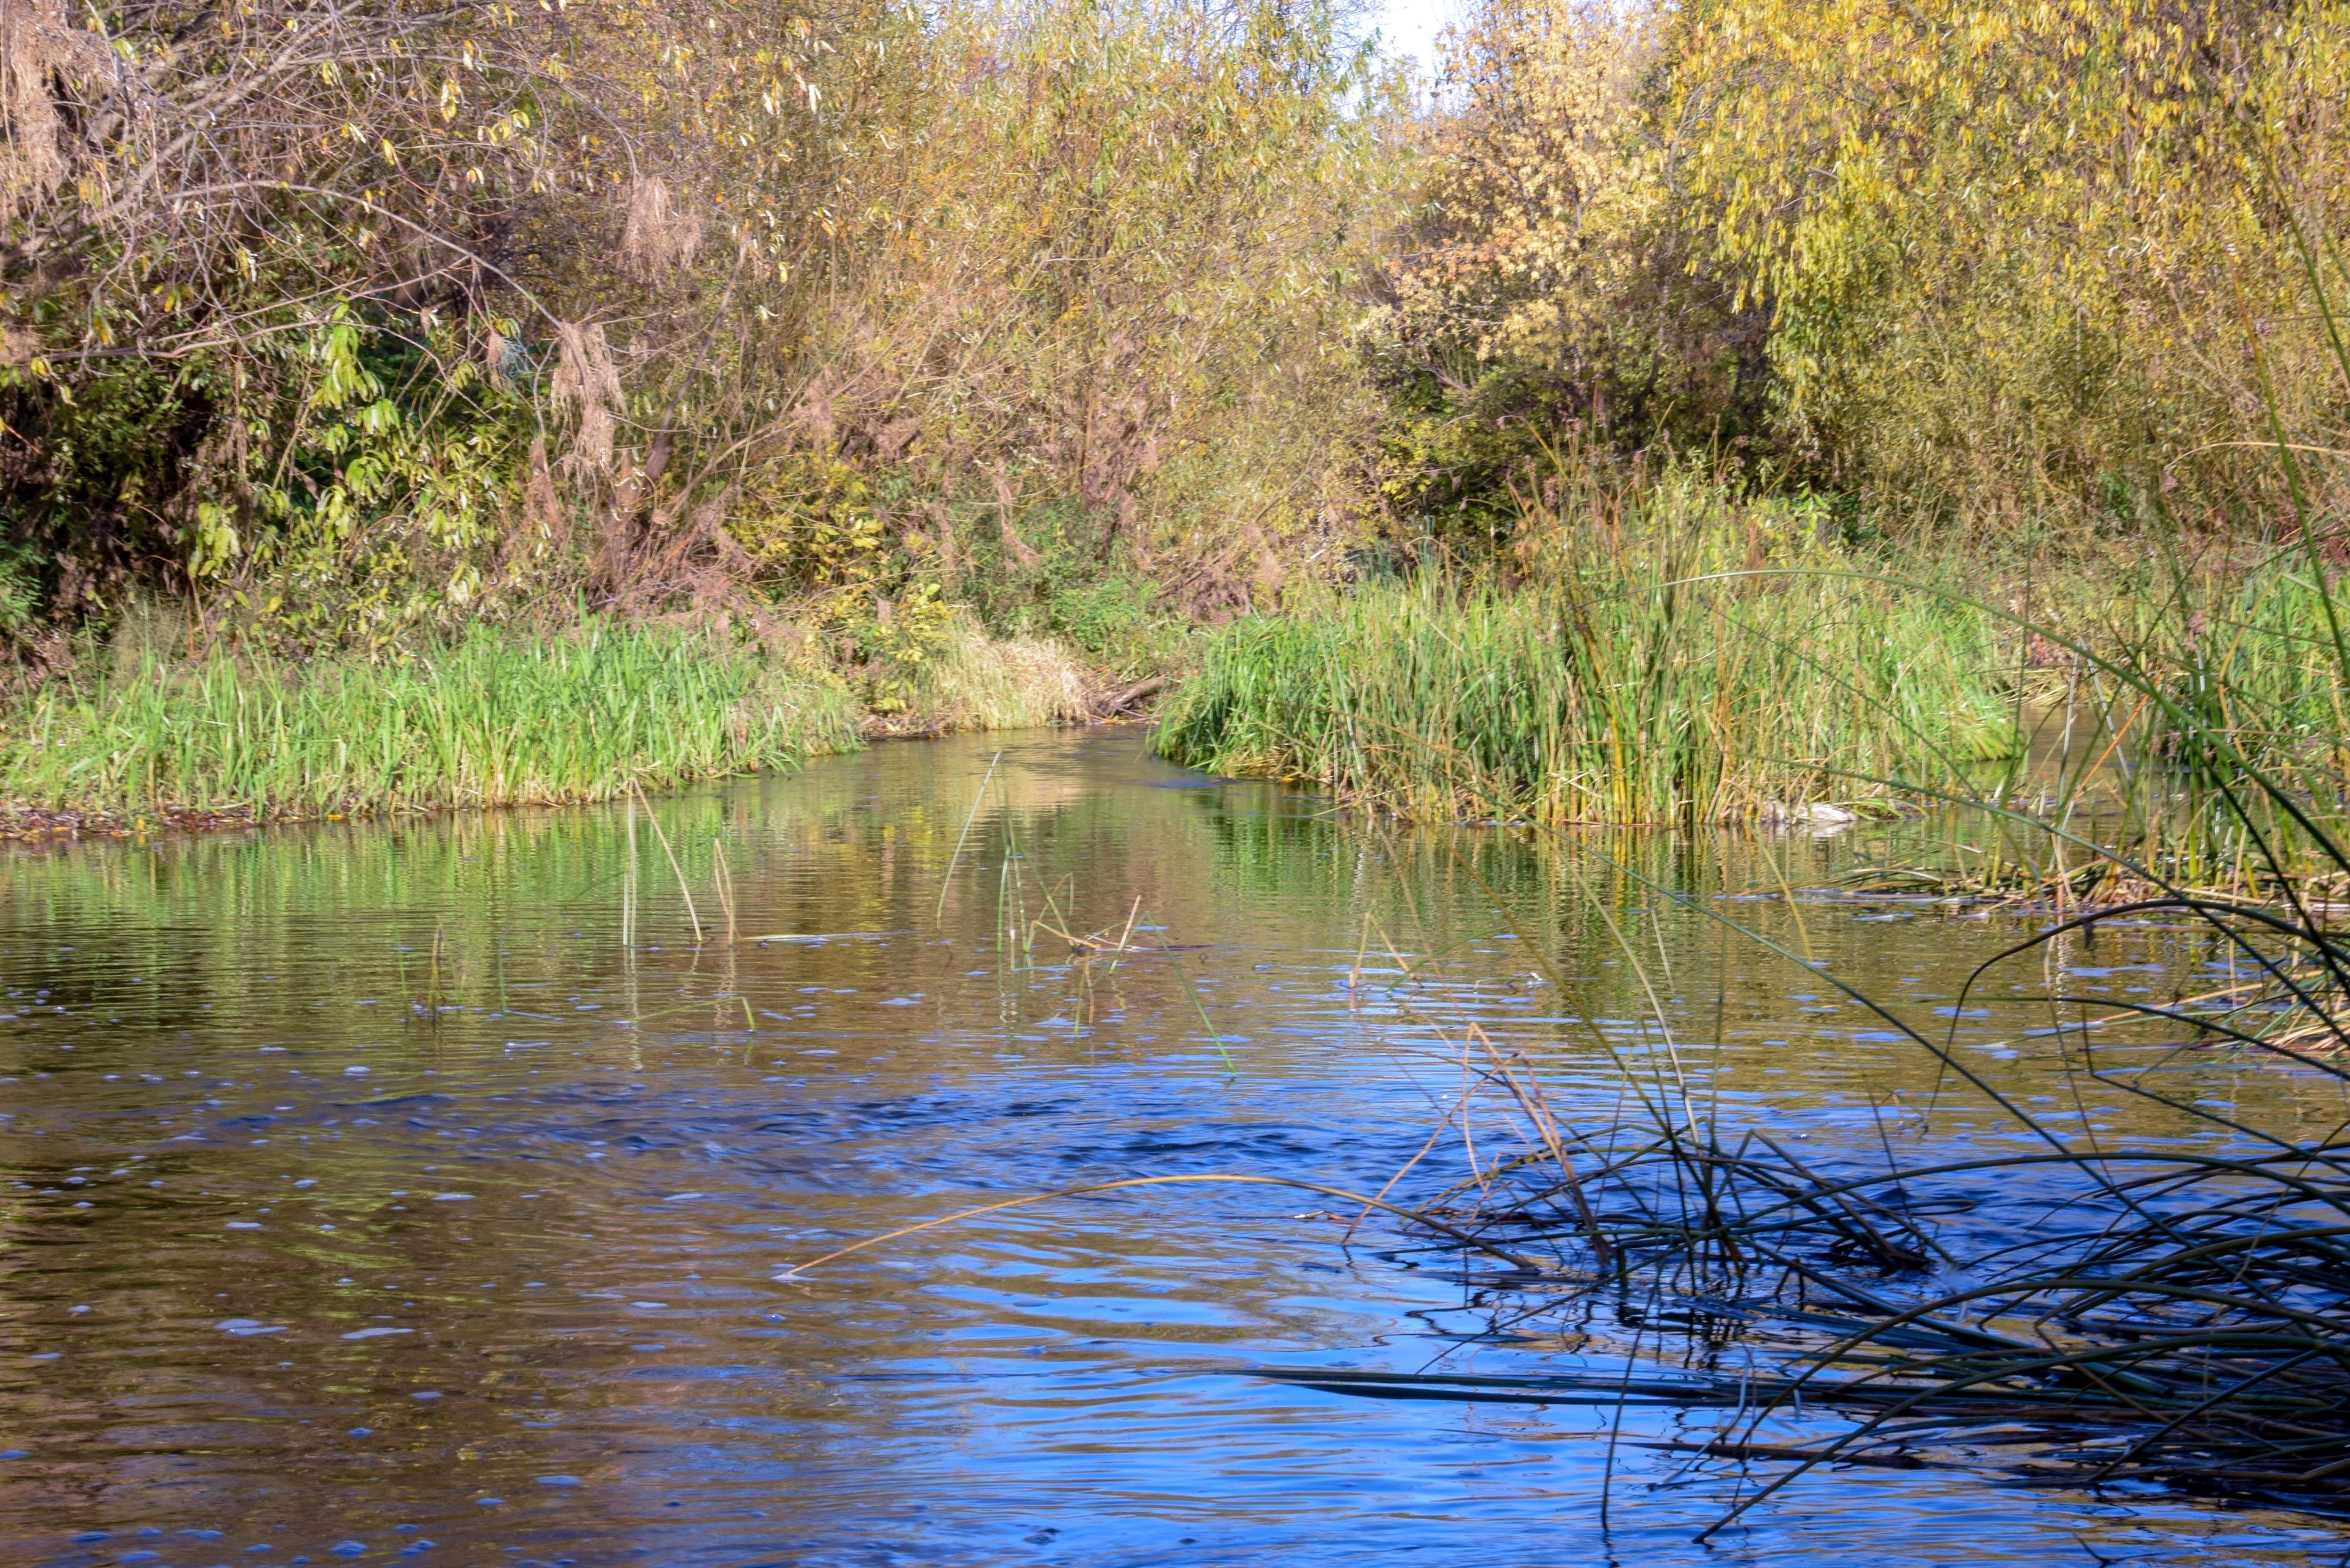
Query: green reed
x=2183 y=726
x=1647 y=676
x=495 y=719
x=1667 y=653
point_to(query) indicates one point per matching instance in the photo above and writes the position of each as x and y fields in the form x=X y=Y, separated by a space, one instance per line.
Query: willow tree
x=2027 y=258
x=1095 y=266
x=2060 y=261
x=1547 y=289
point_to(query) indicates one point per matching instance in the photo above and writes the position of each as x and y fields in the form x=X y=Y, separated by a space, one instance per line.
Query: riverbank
x=1556 y=705
x=1689 y=657
x=136 y=740
x=2094 y=725
x=1661 y=650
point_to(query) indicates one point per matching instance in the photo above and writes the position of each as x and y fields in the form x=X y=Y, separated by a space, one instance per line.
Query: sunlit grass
x=495 y=719
x=980 y=682
x=1641 y=686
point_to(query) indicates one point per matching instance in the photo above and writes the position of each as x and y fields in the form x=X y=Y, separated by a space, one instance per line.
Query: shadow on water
x=366 y=1198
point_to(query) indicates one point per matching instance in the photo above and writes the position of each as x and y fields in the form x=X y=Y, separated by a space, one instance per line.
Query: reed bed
x=494 y=718
x=2259 y=656
x=1647 y=678
x=1667 y=652
x=2183 y=727
x=2175 y=1312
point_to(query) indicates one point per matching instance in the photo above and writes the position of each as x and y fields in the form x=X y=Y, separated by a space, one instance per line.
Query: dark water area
x=365 y=1197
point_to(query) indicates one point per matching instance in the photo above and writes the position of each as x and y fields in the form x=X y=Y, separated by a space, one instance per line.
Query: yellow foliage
x=1546 y=284
x=2023 y=260
x=2021 y=255
x=1091 y=253
x=1544 y=189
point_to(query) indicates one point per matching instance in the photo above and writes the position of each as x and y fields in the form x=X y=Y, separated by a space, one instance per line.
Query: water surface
x=365 y=1196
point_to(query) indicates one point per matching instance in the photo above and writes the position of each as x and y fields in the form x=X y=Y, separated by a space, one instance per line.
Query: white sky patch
x=1410 y=27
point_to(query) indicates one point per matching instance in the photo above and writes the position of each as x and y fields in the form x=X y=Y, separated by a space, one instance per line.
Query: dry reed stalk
x=685 y=889
x=661 y=235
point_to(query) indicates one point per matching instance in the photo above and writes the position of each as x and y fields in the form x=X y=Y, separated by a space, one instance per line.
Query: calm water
x=364 y=1198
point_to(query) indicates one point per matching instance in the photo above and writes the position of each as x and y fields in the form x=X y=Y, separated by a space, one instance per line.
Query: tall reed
x=2188 y=729
x=1641 y=675
x=497 y=718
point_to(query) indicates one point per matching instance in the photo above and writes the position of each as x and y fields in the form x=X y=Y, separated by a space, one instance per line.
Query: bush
x=1965 y=262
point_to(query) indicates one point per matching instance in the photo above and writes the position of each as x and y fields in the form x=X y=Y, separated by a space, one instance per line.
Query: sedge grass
x=494 y=718
x=2187 y=732
x=1677 y=657
x=1641 y=686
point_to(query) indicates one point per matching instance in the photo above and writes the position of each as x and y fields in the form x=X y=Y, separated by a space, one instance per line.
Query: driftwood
x=1127 y=699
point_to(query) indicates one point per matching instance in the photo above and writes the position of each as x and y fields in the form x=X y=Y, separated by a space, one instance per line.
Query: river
x=367 y=1198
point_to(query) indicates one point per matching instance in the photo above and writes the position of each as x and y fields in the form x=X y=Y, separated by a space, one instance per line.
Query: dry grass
x=982 y=682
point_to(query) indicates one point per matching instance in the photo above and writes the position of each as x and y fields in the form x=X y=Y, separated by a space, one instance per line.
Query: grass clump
x=974 y=681
x=2245 y=660
x=495 y=718
x=1641 y=675
x=2186 y=729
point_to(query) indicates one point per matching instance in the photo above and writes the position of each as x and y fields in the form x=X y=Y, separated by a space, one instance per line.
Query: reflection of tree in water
x=609 y=1085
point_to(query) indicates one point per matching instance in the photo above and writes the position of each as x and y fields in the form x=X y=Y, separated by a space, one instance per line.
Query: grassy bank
x=2091 y=728
x=1643 y=679
x=498 y=717
x=495 y=719
x=2171 y=1312
x=974 y=681
x=2188 y=732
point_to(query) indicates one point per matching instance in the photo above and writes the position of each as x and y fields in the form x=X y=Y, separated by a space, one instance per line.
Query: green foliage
x=494 y=719
x=898 y=649
x=394 y=508
x=1448 y=453
x=2024 y=257
x=231 y=362
x=20 y=589
x=1114 y=615
x=1692 y=660
x=1111 y=616
x=809 y=525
